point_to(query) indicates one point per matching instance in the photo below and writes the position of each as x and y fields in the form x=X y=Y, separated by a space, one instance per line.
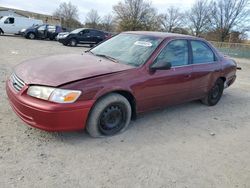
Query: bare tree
x=107 y=23
x=69 y=14
x=92 y=19
x=172 y=19
x=136 y=15
x=199 y=17
x=229 y=14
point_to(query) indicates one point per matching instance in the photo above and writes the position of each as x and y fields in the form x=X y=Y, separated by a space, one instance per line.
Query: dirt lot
x=175 y=147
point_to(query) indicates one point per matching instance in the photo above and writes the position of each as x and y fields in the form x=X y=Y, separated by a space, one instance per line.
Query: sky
x=102 y=6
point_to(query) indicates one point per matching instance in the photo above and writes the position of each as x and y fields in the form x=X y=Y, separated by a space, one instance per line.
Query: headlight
x=64 y=36
x=23 y=30
x=54 y=94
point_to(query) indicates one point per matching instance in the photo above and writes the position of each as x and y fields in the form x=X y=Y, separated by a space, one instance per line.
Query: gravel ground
x=189 y=145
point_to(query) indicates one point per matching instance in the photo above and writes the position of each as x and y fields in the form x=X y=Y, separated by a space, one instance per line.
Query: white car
x=12 y=25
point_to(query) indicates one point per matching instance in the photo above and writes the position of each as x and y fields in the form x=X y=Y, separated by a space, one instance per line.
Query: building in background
x=4 y=11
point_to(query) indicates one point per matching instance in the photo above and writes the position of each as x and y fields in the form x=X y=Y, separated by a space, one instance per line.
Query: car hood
x=62 y=69
x=30 y=29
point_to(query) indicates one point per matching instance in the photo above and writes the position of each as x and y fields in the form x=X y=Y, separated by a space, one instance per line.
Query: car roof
x=84 y=28
x=162 y=35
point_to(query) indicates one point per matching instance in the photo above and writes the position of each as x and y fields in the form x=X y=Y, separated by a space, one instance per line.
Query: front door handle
x=187 y=76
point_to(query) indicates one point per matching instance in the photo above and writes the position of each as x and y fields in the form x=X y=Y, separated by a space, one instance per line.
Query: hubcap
x=32 y=36
x=73 y=43
x=112 y=119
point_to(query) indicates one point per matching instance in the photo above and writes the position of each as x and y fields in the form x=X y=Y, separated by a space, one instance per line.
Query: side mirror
x=161 y=66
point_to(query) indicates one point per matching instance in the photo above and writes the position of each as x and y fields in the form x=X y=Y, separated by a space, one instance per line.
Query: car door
x=9 y=25
x=41 y=31
x=167 y=87
x=206 y=68
x=84 y=36
x=51 y=29
x=96 y=36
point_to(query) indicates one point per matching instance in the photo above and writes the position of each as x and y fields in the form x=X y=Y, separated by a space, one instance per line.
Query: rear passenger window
x=176 y=53
x=201 y=53
x=95 y=33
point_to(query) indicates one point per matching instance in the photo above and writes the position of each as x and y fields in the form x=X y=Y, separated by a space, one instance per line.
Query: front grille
x=17 y=83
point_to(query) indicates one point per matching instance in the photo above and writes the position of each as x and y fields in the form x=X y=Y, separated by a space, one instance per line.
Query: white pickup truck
x=12 y=25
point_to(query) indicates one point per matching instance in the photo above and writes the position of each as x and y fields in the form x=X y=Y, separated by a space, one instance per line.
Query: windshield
x=130 y=49
x=76 y=30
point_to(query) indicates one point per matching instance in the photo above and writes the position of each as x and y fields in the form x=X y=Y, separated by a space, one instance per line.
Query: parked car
x=42 y=32
x=61 y=35
x=129 y=74
x=84 y=36
x=12 y=25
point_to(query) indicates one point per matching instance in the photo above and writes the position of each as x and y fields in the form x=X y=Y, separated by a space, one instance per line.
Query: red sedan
x=104 y=88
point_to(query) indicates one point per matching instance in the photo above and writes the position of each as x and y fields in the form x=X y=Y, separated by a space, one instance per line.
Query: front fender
x=106 y=91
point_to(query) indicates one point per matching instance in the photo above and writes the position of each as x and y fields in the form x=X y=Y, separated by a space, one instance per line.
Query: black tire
x=73 y=42
x=109 y=116
x=31 y=36
x=1 y=31
x=214 y=95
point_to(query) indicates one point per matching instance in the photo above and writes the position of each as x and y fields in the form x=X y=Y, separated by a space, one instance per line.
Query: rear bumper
x=47 y=115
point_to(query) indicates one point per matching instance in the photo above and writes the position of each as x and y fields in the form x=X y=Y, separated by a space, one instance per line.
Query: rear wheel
x=72 y=42
x=214 y=95
x=1 y=31
x=109 y=116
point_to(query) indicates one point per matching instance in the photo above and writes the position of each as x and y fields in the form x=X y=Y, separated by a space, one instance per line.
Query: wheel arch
x=73 y=38
x=27 y=35
x=222 y=78
x=1 y=30
x=125 y=93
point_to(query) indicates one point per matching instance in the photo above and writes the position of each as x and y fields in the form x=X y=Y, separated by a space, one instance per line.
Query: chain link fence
x=238 y=50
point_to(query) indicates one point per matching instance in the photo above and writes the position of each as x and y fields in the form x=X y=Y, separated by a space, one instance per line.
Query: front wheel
x=214 y=95
x=110 y=115
x=31 y=36
x=72 y=42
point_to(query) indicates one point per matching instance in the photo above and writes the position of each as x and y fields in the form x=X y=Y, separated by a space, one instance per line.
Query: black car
x=42 y=32
x=84 y=36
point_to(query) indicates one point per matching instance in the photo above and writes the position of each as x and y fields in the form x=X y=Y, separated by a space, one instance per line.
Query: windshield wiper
x=107 y=57
x=86 y=51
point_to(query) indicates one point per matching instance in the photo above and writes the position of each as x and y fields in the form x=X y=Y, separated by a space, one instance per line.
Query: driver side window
x=42 y=28
x=9 y=21
x=84 y=32
x=176 y=53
